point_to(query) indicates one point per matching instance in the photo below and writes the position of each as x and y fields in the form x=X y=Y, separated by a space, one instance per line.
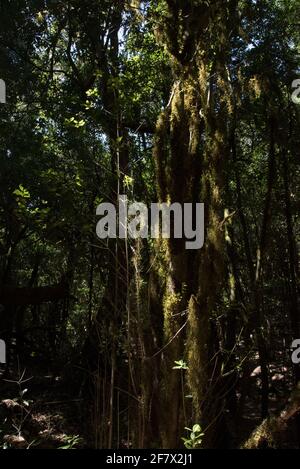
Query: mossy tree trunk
x=191 y=147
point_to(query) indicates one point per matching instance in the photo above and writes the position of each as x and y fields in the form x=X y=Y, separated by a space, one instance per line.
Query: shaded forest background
x=125 y=343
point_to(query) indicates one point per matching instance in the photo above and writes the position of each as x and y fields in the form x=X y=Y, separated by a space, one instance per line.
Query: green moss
x=265 y=436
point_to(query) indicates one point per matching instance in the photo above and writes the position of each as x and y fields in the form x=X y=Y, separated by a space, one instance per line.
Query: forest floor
x=44 y=411
x=40 y=413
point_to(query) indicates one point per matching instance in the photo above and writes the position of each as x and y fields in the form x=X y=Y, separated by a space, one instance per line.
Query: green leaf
x=180 y=365
x=196 y=428
x=22 y=192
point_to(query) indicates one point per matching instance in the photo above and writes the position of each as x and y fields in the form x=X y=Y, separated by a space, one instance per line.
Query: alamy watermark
x=296 y=352
x=136 y=220
x=2 y=92
x=2 y=352
x=296 y=93
x=295 y=97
